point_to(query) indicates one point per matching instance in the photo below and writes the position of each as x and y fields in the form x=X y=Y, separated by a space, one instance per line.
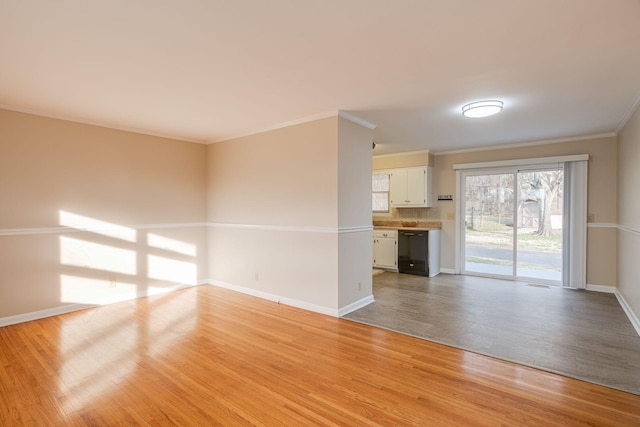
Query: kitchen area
x=406 y=235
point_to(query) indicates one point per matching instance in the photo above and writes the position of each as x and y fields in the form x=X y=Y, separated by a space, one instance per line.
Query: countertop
x=398 y=225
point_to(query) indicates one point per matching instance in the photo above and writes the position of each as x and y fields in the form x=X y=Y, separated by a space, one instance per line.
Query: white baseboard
x=68 y=308
x=41 y=314
x=630 y=314
x=355 y=306
x=447 y=270
x=602 y=288
x=276 y=298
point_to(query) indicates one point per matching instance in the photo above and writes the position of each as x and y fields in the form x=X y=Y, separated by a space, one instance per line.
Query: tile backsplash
x=411 y=214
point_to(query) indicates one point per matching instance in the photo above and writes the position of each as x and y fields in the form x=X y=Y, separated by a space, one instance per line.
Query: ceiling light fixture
x=482 y=109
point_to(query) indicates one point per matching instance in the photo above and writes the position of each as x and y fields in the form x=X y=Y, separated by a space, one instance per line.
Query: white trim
x=303 y=229
x=41 y=314
x=28 y=231
x=344 y=230
x=630 y=314
x=98 y=124
x=602 y=288
x=277 y=126
x=602 y=225
x=448 y=270
x=55 y=311
x=406 y=153
x=355 y=306
x=63 y=229
x=276 y=298
x=628 y=229
x=299 y=121
x=527 y=144
x=629 y=113
x=521 y=162
x=356 y=120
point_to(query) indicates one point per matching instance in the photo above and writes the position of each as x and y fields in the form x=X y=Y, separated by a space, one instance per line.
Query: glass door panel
x=488 y=227
x=539 y=224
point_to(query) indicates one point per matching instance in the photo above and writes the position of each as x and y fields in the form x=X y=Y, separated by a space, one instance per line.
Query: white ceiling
x=209 y=70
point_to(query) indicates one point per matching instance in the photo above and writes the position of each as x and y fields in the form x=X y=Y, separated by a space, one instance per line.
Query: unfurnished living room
x=357 y=212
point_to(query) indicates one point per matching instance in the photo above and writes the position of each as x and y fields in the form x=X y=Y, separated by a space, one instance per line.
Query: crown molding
x=528 y=144
x=632 y=109
x=97 y=123
x=356 y=120
x=306 y=119
x=276 y=126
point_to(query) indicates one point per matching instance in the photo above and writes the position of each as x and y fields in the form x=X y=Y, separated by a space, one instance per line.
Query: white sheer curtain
x=574 y=272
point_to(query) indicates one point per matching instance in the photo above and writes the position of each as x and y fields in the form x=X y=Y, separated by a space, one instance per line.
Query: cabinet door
x=384 y=253
x=416 y=185
x=398 y=188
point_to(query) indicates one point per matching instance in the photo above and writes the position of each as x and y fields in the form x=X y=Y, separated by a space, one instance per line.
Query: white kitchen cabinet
x=385 y=249
x=410 y=187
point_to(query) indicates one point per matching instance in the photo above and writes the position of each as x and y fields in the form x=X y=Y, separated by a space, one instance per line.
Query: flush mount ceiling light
x=482 y=109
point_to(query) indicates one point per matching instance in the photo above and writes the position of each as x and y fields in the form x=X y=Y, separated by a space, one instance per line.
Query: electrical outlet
x=591 y=217
x=451 y=215
x=257 y=277
x=359 y=286
x=112 y=282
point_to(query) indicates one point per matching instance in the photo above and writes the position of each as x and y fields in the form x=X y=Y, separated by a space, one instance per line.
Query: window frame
x=387 y=192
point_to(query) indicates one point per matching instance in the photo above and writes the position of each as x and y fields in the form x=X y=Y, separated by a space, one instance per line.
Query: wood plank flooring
x=585 y=335
x=210 y=356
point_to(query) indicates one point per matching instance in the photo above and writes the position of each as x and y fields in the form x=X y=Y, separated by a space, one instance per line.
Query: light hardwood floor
x=209 y=356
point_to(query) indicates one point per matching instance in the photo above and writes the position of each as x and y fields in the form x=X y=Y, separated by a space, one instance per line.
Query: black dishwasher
x=413 y=252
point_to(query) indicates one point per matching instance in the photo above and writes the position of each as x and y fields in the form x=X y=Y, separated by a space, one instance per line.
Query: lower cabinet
x=385 y=249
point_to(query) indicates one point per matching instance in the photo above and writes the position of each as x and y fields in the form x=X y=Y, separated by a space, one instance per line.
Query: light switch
x=451 y=215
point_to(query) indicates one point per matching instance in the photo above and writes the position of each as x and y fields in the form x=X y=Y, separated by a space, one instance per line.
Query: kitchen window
x=380 y=185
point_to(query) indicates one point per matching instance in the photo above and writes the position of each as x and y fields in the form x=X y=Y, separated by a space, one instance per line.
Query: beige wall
x=281 y=223
x=602 y=197
x=629 y=212
x=55 y=173
x=287 y=177
x=277 y=201
x=354 y=210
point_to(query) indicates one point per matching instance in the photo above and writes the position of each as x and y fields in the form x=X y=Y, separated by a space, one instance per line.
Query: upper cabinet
x=410 y=187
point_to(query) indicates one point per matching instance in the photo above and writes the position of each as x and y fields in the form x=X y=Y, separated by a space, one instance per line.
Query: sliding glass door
x=488 y=227
x=513 y=224
x=539 y=221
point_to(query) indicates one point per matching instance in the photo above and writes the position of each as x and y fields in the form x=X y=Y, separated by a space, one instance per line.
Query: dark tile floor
x=580 y=334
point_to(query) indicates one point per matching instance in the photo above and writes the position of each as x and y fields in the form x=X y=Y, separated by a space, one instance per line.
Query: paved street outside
x=550 y=263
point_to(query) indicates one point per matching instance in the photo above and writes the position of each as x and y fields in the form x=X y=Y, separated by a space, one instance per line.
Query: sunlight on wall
x=104 y=264
x=161 y=242
x=80 y=253
x=172 y=270
x=80 y=222
x=85 y=290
